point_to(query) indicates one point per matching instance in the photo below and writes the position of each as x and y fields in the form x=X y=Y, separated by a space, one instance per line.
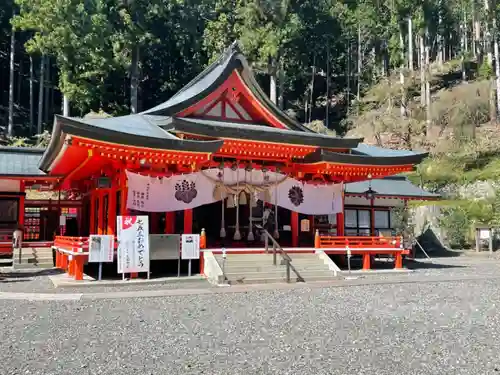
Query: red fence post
x=78 y=267
x=317 y=241
x=399 y=261
x=366 y=262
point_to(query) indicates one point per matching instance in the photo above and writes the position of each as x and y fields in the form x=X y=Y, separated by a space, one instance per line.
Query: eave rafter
x=136 y=154
x=352 y=172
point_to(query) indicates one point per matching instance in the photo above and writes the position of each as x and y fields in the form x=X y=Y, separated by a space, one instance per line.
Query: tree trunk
x=410 y=44
x=497 y=73
x=32 y=100
x=327 y=110
x=421 y=51
x=477 y=39
x=497 y=58
x=359 y=68
x=39 y=127
x=47 y=90
x=10 y=129
x=273 y=94
x=348 y=75
x=474 y=31
x=440 y=54
x=487 y=30
x=19 y=88
x=463 y=43
x=281 y=83
x=313 y=75
x=65 y=106
x=427 y=84
x=402 y=75
x=134 y=80
x=465 y=33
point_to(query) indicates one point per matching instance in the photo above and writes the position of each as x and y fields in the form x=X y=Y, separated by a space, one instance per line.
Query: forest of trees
x=319 y=59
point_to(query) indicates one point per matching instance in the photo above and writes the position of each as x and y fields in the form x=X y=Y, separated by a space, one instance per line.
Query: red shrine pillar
x=188 y=221
x=340 y=224
x=170 y=222
x=123 y=193
x=22 y=199
x=154 y=222
x=372 y=216
x=100 y=212
x=340 y=218
x=92 y=212
x=294 y=223
x=111 y=229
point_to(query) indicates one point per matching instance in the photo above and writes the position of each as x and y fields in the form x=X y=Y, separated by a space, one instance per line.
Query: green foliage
x=82 y=48
x=485 y=70
x=456 y=223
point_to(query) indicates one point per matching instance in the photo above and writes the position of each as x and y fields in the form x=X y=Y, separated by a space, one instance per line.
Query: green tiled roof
x=20 y=161
x=395 y=186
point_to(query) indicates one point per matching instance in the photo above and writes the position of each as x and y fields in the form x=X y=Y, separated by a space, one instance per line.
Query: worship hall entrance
x=221 y=222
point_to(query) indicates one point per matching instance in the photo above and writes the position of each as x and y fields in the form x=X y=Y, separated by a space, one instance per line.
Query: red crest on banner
x=128 y=221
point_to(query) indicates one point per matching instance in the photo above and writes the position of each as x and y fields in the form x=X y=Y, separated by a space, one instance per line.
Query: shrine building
x=219 y=157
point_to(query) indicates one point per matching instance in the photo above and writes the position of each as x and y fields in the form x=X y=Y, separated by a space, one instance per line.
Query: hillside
x=463 y=139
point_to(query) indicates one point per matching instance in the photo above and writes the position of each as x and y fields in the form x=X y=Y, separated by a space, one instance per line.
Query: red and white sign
x=133 y=244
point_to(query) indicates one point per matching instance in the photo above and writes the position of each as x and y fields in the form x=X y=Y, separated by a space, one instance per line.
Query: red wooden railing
x=71 y=253
x=362 y=243
x=365 y=246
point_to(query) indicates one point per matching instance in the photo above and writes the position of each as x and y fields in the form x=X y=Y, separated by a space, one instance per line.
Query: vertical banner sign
x=190 y=247
x=101 y=248
x=133 y=244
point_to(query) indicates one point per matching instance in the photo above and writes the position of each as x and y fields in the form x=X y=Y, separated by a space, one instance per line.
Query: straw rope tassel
x=222 y=219
x=237 y=234
x=276 y=233
x=250 y=204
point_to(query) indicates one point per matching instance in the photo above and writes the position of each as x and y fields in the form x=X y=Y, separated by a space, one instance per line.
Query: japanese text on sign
x=133 y=244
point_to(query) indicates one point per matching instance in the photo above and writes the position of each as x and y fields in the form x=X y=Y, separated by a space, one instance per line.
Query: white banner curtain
x=152 y=194
x=307 y=199
x=182 y=192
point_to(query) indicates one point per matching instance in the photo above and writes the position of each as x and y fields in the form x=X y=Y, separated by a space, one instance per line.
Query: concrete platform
x=376 y=272
x=63 y=280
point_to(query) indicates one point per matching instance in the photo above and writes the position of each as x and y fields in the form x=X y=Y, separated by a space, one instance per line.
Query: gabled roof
x=20 y=161
x=392 y=186
x=214 y=76
x=370 y=150
x=132 y=130
x=212 y=128
x=321 y=155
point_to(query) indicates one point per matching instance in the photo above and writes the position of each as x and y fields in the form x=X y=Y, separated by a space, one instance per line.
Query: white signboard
x=133 y=244
x=484 y=234
x=101 y=248
x=62 y=220
x=190 y=247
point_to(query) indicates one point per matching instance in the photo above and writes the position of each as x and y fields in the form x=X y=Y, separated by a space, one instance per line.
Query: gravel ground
x=415 y=328
x=455 y=267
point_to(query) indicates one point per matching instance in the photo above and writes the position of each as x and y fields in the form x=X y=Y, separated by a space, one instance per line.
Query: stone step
x=33 y=253
x=32 y=265
x=277 y=280
x=31 y=256
x=280 y=274
x=265 y=260
x=271 y=268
